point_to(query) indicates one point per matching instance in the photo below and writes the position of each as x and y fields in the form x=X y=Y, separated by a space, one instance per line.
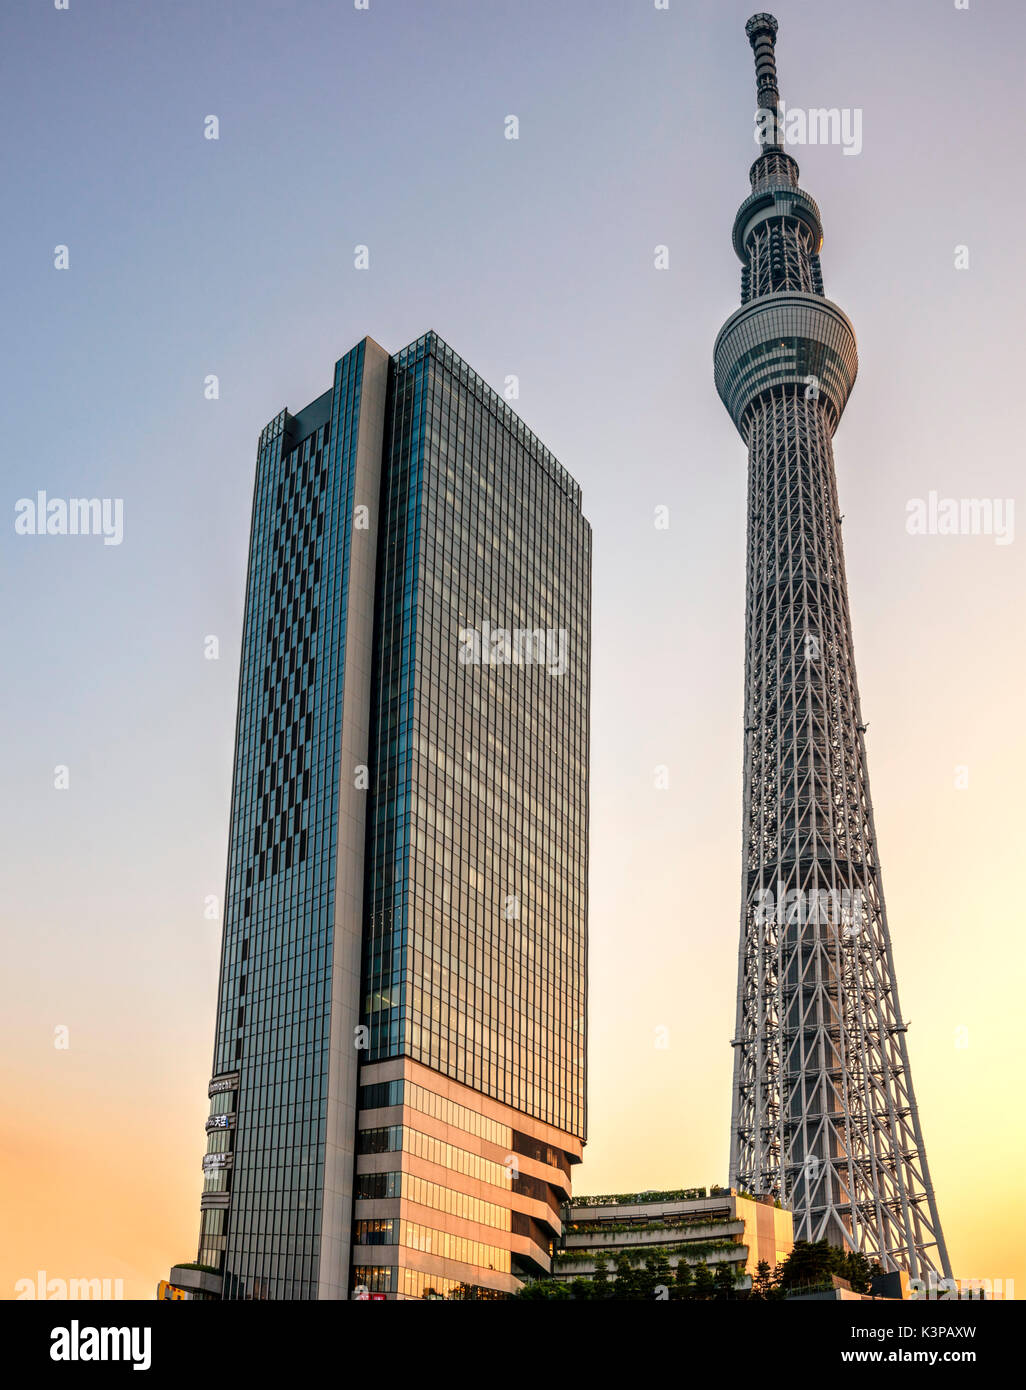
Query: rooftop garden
x=676 y=1194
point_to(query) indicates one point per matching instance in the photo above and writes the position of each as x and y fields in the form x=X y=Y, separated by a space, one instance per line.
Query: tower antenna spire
x=762 y=35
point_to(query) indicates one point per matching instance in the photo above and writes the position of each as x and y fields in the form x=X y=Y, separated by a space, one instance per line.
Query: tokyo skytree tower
x=824 y=1115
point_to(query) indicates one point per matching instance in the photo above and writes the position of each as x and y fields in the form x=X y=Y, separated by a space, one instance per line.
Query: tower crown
x=786 y=333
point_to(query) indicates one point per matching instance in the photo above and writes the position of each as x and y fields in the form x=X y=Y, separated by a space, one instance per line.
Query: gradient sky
x=531 y=257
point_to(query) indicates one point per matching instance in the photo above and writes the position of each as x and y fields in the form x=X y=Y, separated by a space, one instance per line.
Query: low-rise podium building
x=721 y=1227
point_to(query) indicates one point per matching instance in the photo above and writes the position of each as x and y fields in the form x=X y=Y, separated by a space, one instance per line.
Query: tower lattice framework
x=824 y=1114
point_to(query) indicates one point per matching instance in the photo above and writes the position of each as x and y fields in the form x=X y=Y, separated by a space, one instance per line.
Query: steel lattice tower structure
x=824 y=1114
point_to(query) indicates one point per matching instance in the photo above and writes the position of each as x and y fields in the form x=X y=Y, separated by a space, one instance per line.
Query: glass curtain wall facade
x=475 y=950
x=407 y=879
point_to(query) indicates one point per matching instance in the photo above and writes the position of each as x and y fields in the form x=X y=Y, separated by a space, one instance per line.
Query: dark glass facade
x=274 y=998
x=471 y=869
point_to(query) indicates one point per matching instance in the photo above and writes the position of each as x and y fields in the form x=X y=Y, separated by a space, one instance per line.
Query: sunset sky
x=534 y=257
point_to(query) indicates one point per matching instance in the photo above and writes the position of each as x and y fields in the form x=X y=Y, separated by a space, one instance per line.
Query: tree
x=600 y=1285
x=705 y=1284
x=724 y=1281
x=682 y=1282
x=662 y=1275
x=860 y=1270
x=625 y=1285
x=810 y=1262
x=763 y=1285
x=645 y=1280
x=813 y=1262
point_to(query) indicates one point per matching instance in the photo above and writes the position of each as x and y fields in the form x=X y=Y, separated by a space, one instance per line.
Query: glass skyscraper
x=398 y=1091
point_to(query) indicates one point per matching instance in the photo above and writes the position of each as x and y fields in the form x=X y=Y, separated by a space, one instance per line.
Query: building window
x=380 y=1141
x=375 y=1232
